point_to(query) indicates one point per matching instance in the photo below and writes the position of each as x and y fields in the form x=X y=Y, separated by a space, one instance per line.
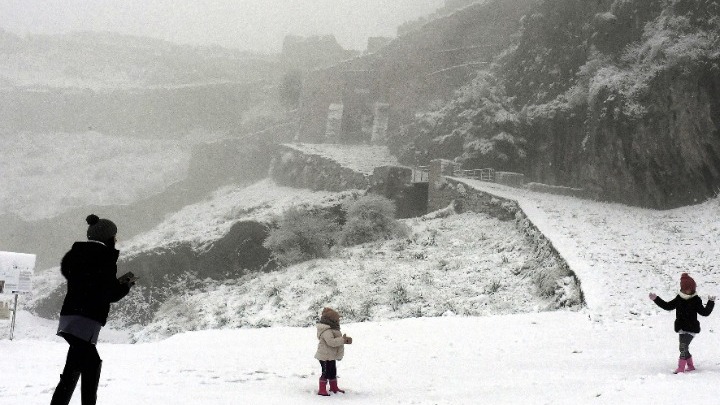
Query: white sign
x=16 y=271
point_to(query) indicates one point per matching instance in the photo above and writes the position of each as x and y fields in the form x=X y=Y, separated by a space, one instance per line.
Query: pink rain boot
x=334 y=388
x=690 y=365
x=323 y=388
x=681 y=366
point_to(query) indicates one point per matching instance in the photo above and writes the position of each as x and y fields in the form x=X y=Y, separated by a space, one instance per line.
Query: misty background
x=253 y=25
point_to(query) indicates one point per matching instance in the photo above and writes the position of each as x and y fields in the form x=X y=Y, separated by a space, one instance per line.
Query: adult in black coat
x=687 y=306
x=90 y=268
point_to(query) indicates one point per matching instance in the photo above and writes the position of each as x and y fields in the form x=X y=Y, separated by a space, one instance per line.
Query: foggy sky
x=258 y=25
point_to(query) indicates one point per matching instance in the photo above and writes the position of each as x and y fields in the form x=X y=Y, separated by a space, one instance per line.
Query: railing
x=478 y=174
x=420 y=174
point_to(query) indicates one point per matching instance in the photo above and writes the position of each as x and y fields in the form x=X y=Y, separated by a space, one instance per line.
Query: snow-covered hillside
x=44 y=175
x=206 y=221
x=466 y=264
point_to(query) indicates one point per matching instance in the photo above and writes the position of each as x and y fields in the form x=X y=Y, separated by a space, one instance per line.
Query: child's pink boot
x=690 y=365
x=334 y=388
x=681 y=366
x=323 y=388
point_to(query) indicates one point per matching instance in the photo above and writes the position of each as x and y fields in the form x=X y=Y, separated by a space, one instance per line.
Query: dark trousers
x=329 y=369
x=685 y=340
x=83 y=361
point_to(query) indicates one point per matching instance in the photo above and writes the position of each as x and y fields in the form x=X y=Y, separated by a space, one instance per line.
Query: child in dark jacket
x=687 y=306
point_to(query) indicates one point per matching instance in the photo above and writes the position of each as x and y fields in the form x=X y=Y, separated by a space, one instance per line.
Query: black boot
x=65 y=388
x=89 y=385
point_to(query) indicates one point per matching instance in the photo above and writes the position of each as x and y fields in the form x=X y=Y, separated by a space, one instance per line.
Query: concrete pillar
x=333 y=125
x=439 y=168
x=380 y=124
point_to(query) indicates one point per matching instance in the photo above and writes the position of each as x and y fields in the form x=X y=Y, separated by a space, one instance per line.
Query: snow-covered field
x=619 y=350
x=541 y=358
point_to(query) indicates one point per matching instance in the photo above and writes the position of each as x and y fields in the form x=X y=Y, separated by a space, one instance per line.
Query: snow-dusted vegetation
x=466 y=265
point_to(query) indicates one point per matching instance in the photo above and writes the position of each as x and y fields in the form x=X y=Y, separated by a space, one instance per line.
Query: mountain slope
x=616 y=97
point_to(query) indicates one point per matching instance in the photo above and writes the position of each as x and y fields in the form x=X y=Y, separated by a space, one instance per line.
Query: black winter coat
x=91 y=272
x=686 y=311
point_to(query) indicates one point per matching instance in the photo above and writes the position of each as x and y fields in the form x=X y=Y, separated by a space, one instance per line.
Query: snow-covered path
x=621 y=253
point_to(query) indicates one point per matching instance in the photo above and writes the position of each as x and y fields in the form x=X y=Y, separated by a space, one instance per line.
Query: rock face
x=666 y=158
x=669 y=158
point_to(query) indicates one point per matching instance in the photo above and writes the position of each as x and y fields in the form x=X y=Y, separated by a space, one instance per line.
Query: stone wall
x=510 y=179
x=558 y=190
x=293 y=168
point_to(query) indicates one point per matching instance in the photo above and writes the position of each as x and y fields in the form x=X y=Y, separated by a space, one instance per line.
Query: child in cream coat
x=331 y=347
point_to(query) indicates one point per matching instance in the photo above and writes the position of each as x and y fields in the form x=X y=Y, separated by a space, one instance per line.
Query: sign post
x=16 y=271
x=12 y=323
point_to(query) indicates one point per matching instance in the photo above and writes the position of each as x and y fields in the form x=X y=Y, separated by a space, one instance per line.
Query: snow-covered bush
x=302 y=234
x=147 y=297
x=370 y=218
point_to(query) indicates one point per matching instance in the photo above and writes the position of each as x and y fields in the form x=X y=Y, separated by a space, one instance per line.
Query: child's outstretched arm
x=668 y=306
x=707 y=309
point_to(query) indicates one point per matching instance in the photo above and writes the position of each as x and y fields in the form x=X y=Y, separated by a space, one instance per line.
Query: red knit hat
x=687 y=283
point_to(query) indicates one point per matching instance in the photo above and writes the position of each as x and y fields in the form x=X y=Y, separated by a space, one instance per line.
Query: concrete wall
x=395 y=183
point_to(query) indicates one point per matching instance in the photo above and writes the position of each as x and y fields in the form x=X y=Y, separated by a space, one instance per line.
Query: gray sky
x=246 y=24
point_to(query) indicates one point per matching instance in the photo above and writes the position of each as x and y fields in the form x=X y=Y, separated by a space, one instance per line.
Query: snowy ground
x=542 y=358
x=619 y=350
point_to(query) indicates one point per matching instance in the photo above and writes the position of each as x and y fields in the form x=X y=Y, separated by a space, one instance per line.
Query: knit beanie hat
x=330 y=314
x=100 y=230
x=687 y=283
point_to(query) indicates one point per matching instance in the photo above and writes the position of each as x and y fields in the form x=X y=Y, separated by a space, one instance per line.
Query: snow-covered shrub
x=370 y=218
x=147 y=298
x=302 y=234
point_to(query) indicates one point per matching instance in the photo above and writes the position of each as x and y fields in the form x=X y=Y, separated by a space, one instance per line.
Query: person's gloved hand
x=652 y=296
